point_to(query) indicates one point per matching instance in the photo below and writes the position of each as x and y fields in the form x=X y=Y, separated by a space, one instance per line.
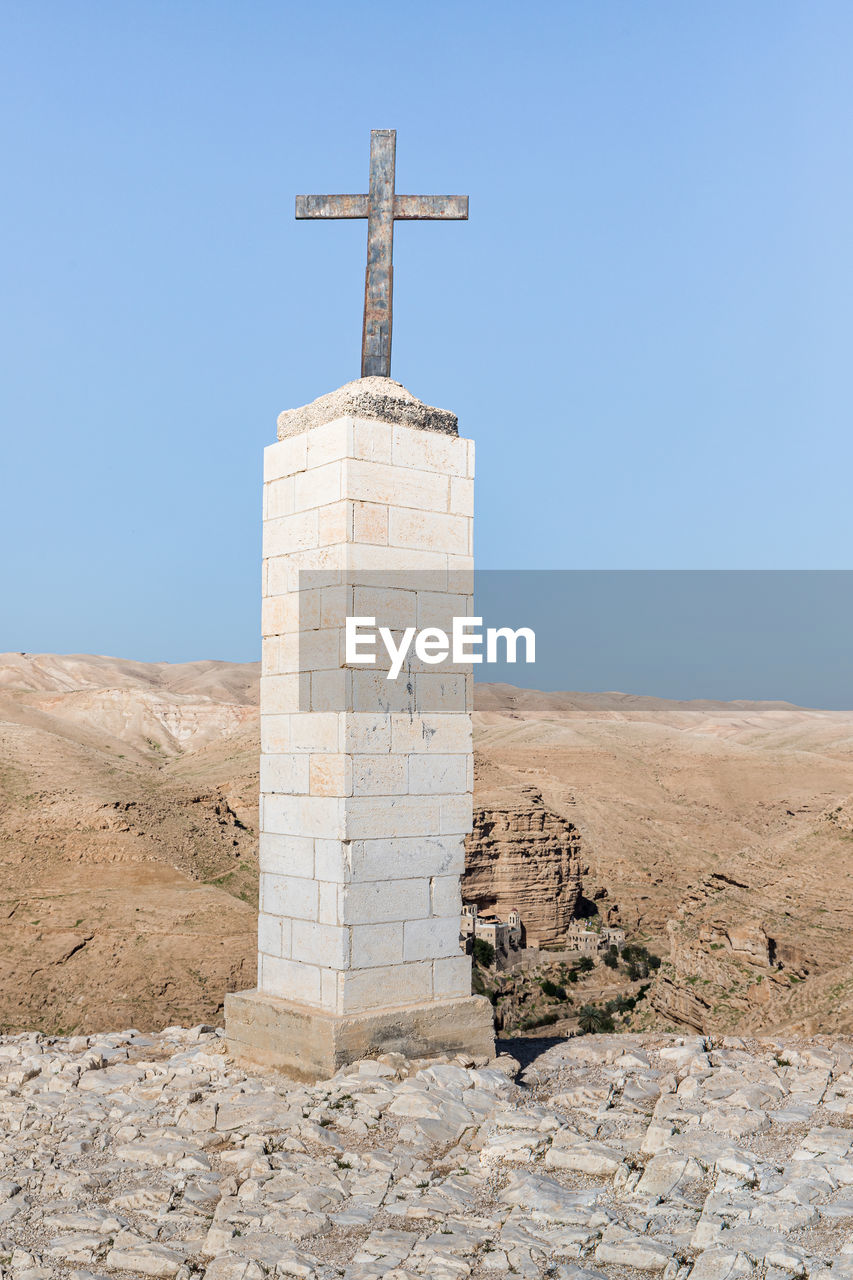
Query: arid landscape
x=718 y=834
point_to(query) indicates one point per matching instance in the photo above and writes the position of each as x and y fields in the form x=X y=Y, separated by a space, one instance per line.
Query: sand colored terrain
x=722 y=832
x=127 y=840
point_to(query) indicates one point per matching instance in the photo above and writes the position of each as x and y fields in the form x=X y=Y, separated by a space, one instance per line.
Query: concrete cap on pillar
x=382 y=399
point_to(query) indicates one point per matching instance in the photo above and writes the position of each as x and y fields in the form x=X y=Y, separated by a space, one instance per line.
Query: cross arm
x=406 y=207
x=331 y=206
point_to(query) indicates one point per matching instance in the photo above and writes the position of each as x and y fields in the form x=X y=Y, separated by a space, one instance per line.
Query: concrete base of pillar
x=312 y=1045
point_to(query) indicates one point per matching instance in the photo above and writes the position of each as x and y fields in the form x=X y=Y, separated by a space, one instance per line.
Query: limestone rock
x=525 y=857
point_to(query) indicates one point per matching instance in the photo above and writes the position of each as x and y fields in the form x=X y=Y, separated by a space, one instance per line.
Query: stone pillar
x=366 y=783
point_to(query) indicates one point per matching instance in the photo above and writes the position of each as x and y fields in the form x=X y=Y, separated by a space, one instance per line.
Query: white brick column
x=366 y=783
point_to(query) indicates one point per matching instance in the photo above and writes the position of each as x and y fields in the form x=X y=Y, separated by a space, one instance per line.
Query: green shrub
x=484 y=953
x=551 y=989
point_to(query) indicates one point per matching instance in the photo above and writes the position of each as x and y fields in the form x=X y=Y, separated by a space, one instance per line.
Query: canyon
x=718 y=834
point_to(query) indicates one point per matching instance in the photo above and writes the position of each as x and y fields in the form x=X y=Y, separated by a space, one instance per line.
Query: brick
x=331 y=989
x=325 y=945
x=462 y=496
x=334 y=523
x=279 y=655
x=405 y=857
x=280 y=614
x=427 y=530
x=320 y=649
x=433 y=774
x=331 y=690
x=330 y=903
x=439 y=608
x=289 y=896
x=395 y=486
x=389 y=986
x=446 y=734
x=285 y=458
x=460 y=574
x=290 y=533
x=383 y=775
x=287 y=773
x=446 y=896
x=314 y=732
x=441 y=692
x=304 y=815
x=377 y=944
x=381 y=901
x=429 y=451
x=451 y=977
x=457 y=815
x=280 y=694
x=324 y=566
x=368 y=732
x=331 y=860
x=309 y=605
x=330 y=775
x=286 y=855
x=372 y=440
x=316 y=488
x=374 y=693
x=335 y=606
x=269 y=934
x=373 y=566
x=275 y=733
x=392 y=607
x=278 y=498
x=381 y=817
x=290 y=980
x=330 y=442
x=431 y=939
x=370 y=522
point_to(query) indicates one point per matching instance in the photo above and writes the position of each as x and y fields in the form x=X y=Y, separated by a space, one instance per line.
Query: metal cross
x=381 y=208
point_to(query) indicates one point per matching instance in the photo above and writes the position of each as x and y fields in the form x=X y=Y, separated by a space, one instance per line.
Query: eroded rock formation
x=527 y=857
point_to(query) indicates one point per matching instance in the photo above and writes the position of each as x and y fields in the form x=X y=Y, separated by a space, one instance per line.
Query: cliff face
x=765 y=944
x=527 y=857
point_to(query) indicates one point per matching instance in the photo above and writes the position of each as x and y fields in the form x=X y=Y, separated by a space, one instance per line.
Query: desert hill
x=127 y=839
x=719 y=831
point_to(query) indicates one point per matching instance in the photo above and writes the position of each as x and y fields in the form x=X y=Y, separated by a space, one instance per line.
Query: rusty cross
x=382 y=206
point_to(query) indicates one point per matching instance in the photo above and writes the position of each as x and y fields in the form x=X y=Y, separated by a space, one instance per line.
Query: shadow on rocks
x=526 y=1049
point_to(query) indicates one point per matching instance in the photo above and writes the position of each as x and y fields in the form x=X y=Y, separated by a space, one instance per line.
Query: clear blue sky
x=646 y=324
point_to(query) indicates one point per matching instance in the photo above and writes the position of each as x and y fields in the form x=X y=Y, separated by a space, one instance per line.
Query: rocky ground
x=128 y=1155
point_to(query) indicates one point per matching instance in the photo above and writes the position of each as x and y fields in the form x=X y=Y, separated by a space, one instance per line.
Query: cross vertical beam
x=381 y=206
x=379 y=277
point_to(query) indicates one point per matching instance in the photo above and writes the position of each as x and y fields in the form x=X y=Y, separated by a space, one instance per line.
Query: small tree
x=586 y=964
x=592 y=1020
x=611 y=958
x=484 y=953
